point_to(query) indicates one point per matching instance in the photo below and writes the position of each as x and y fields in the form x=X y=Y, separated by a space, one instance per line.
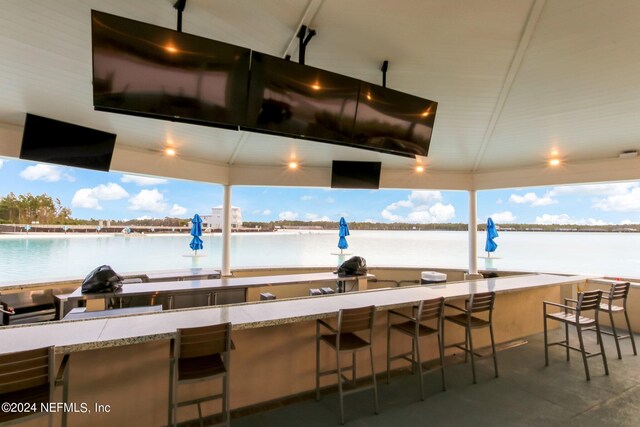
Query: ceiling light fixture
x=293 y=165
x=169 y=151
x=419 y=168
x=554 y=162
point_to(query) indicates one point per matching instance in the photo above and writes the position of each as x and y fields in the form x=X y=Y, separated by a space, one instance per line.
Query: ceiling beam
x=523 y=44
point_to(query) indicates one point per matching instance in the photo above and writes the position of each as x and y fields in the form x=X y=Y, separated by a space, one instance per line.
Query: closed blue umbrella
x=492 y=233
x=196 y=232
x=343 y=233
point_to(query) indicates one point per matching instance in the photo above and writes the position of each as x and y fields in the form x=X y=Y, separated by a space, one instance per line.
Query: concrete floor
x=526 y=394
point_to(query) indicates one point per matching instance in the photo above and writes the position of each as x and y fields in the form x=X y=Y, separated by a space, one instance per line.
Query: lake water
x=43 y=257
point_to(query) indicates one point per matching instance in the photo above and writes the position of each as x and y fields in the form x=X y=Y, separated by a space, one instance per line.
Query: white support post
x=226 y=231
x=473 y=234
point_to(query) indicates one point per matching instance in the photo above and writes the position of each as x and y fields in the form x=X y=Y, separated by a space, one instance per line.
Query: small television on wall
x=393 y=122
x=146 y=70
x=363 y=175
x=52 y=141
x=299 y=101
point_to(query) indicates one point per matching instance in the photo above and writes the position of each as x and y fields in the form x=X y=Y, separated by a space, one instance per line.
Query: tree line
x=27 y=208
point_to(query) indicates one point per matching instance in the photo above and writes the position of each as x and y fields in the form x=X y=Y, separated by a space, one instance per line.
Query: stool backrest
x=588 y=300
x=619 y=291
x=26 y=369
x=203 y=341
x=356 y=319
x=481 y=302
x=430 y=309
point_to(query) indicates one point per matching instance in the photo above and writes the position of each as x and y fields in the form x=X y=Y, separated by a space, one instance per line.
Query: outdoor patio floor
x=526 y=394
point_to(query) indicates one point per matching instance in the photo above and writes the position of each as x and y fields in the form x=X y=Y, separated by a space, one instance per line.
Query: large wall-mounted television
x=362 y=175
x=393 y=122
x=52 y=141
x=146 y=70
x=299 y=101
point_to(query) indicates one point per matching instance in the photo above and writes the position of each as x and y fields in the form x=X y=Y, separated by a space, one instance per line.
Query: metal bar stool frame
x=25 y=375
x=570 y=315
x=200 y=354
x=618 y=291
x=477 y=303
x=414 y=327
x=343 y=339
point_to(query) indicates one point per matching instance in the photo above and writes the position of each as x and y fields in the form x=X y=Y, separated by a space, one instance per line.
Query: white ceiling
x=514 y=79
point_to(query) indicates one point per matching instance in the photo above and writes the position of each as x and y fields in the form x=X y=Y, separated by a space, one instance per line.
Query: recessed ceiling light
x=169 y=151
x=316 y=86
x=171 y=49
x=419 y=168
x=293 y=165
x=554 y=162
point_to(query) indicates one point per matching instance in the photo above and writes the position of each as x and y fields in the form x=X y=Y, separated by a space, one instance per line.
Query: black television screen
x=146 y=70
x=53 y=141
x=300 y=101
x=364 y=175
x=393 y=122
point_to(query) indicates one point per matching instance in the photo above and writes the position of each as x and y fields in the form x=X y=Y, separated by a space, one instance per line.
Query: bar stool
x=344 y=340
x=477 y=303
x=587 y=301
x=618 y=291
x=413 y=326
x=200 y=354
x=27 y=378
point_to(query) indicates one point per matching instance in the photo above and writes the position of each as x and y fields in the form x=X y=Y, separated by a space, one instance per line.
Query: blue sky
x=113 y=195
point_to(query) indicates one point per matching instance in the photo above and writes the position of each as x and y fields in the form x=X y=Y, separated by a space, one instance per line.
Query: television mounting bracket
x=385 y=67
x=304 y=41
x=180 y=5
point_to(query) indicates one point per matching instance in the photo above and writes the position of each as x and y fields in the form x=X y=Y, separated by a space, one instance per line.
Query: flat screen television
x=52 y=141
x=299 y=101
x=146 y=70
x=364 y=175
x=393 y=122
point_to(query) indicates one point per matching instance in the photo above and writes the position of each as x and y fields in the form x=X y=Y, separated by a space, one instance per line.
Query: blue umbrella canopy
x=196 y=232
x=343 y=233
x=492 y=233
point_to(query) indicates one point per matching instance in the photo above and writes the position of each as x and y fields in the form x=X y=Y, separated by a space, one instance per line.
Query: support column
x=473 y=234
x=226 y=231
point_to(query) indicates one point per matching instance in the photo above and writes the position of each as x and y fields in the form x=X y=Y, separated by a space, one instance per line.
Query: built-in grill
x=29 y=306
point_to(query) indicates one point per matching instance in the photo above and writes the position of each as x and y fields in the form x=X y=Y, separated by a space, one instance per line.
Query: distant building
x=214 y=221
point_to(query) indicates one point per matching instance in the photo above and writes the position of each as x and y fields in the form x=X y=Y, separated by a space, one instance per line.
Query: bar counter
x=123 y=361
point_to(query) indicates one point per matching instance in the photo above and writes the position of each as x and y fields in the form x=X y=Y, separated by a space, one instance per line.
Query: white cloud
x=419 y=207
x=89 y=198
x=626 y=200
x=142 y=181
x=424 y=197
x=315 y=217
x=629 y=222
x=42 y=172
x=564 y=219
x=400 y=204
x=287 y=215
x=504 y=217
x=532 y=199
x=266 y=212
x=330 y=200
x=593 y=189
x=148 y=201
x=177 y=210
x=1 y=163
x=143 y=217
x=306 y=197
x=435 y=213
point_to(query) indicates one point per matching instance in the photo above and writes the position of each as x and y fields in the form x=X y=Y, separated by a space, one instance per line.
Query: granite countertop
x=79 y=335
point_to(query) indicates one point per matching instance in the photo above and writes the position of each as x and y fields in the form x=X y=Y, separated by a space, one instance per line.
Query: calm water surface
x=42 y=257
